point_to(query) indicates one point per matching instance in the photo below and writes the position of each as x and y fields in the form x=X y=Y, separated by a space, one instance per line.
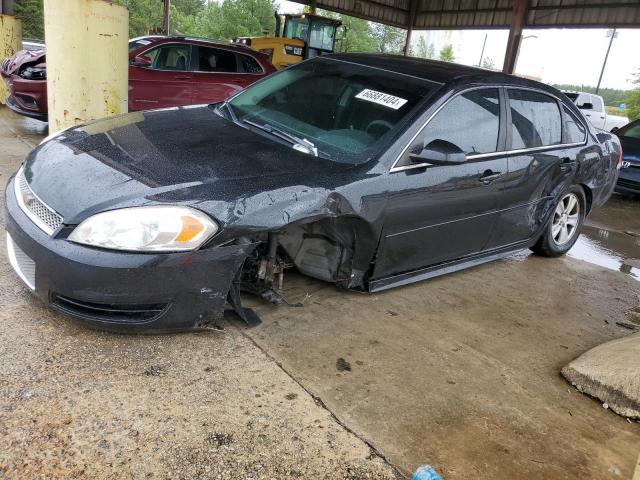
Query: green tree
x=31 y=13
x=231 y=18
x=354 y=35
x=425 y=50
x=431 y=51
x=143 y=15
x=611 y=96
x=421 y=49
x=388 y=39
x=488 y=63
x=633 y=98
x=446 y=54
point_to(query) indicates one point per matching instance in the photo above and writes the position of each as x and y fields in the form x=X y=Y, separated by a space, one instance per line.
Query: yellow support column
x=87 y=61
x=10 y=43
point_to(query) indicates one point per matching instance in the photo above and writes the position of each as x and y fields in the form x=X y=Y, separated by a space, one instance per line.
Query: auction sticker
x=381 y=98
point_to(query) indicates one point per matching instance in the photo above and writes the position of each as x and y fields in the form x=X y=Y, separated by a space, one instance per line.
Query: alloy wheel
x=566 y=219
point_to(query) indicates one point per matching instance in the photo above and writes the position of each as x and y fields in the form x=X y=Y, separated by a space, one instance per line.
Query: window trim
x=394 y=168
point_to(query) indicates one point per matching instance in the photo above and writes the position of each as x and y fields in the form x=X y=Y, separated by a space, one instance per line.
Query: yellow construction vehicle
x=297 y=37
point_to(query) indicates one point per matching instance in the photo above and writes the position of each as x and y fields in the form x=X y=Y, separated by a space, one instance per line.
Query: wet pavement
x=611 y=238
x=461 y=372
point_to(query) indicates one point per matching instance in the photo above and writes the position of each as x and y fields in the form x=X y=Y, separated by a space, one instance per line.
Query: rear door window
x=470 y=121
x=535 y=120
x=574 y=128
x=216 y=60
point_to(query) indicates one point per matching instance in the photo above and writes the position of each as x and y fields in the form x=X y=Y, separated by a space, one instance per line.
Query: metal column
x=165 y=17
x=87 y=62
x=413 y=9
x=520 y=9
x=10 y=38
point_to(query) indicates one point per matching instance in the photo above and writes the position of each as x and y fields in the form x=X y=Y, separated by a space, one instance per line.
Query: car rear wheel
x=565 y=224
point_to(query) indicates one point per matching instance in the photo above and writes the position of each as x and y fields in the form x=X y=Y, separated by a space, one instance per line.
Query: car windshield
x=346 y=111
x=631 y=130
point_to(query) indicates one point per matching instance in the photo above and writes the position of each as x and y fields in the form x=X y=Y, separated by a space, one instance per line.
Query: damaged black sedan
x=365 y=171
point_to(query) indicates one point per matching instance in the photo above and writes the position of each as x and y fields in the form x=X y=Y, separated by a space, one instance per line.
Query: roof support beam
x=413 y=10
x=165 y=17
x=519 y=17
x=6 y=7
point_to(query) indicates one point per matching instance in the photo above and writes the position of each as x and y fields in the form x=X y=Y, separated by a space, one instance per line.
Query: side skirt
x=445 y=268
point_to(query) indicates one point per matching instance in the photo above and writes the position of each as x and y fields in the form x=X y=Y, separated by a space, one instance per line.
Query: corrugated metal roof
x=459 y=14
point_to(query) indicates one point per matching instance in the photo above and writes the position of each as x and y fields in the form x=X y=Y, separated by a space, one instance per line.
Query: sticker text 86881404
x=381 y=98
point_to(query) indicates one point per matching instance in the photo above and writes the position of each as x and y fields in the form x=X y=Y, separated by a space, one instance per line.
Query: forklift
x=297 y=37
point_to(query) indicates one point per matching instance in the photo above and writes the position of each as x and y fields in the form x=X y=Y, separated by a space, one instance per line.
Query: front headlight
x=146 y=229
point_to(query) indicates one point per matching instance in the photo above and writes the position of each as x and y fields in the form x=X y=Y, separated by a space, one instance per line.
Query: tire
x=565 y=225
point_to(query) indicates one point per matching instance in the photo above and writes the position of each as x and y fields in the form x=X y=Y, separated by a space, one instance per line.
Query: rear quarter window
x=249 y=64
x=574 y=128
x=535 y=119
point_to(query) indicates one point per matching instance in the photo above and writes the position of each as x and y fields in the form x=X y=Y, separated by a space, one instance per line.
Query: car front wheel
x=565 y=225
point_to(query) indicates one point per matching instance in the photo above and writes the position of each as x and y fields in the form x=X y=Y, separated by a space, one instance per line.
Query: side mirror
x=439 y=152
x=586 y=106
x=615 y=129
x=142 y=61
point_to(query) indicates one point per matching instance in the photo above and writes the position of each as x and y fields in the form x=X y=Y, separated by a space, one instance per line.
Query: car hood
x=188 y=156
x=23 y=57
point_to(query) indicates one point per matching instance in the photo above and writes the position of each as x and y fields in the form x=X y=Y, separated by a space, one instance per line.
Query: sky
x=569 y=56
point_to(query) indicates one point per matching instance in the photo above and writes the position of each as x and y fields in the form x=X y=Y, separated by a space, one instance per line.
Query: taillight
x=619 y=166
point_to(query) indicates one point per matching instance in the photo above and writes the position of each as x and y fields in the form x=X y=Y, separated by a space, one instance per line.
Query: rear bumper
x=124 y=292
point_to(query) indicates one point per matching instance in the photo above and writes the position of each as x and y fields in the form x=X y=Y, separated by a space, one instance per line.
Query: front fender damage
x=323 y=237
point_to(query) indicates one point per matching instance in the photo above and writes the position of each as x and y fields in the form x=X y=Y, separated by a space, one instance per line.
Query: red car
x=163 y=72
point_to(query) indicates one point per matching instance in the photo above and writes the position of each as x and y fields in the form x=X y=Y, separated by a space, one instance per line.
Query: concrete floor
x=461 y=372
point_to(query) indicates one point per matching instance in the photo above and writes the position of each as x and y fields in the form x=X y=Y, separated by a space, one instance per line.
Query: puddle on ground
x=612 y=250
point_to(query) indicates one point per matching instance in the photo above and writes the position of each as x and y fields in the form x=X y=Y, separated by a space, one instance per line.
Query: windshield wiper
x=300 y=144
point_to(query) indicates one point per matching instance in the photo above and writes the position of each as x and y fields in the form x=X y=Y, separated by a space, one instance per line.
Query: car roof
x=435 y=70
x=200 y=41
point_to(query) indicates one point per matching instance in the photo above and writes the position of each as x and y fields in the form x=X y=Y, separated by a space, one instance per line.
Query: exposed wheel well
x=588 y=195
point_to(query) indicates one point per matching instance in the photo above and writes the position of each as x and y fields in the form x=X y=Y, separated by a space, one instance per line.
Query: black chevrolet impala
x=366 y=171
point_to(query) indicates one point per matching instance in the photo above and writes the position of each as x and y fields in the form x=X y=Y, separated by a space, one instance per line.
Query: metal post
x=614 y=34
x=10 y=39
x=87 y=62
x=413 y=10
x=483 y=45
x=407 y=42
x=165 y=18
x=520 y=10
x=6 y=7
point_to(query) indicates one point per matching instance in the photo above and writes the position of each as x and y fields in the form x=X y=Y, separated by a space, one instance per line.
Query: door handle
x=588 y=114
x=566 y=164
x=489 y=176
x=183 y=77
